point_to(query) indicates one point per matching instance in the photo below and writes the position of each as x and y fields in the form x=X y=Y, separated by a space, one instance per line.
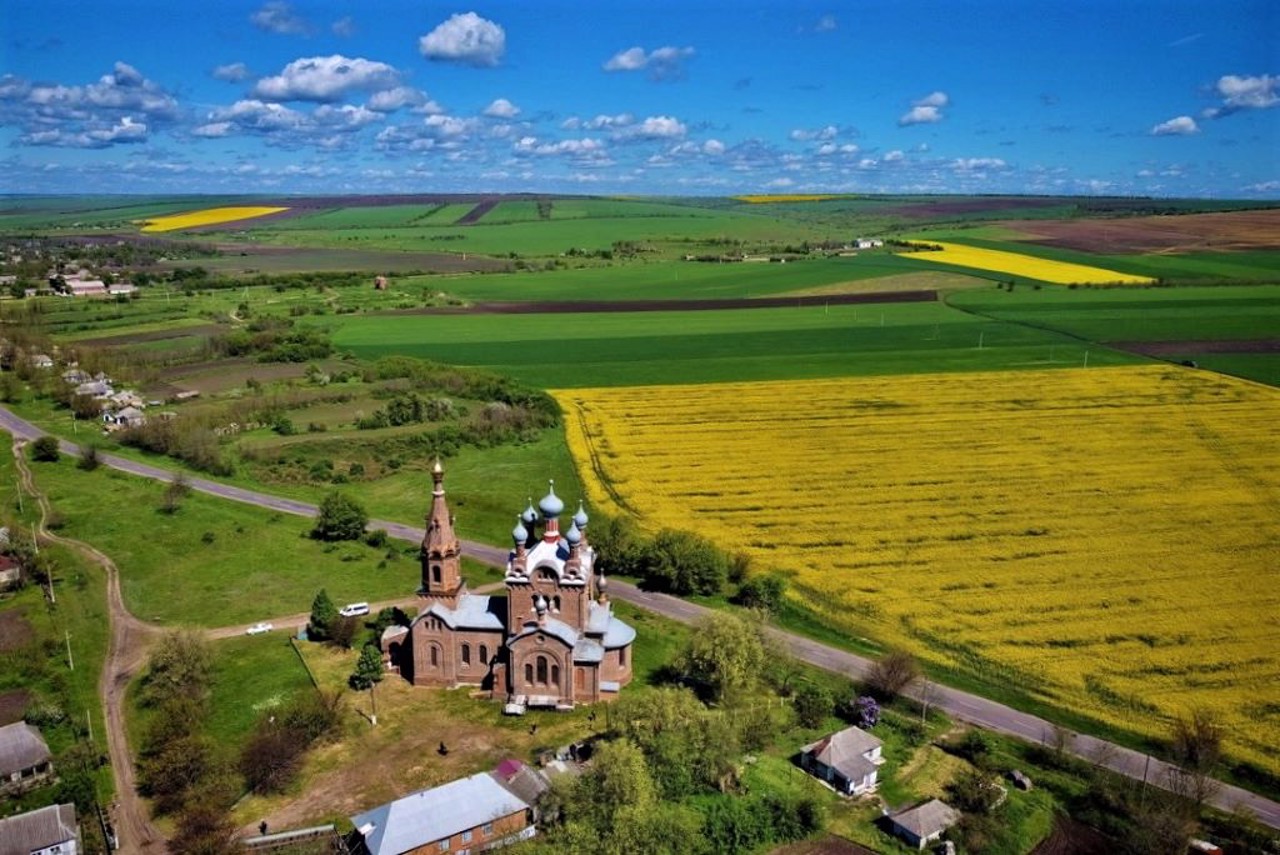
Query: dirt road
x=130 y=640
x=960 y=705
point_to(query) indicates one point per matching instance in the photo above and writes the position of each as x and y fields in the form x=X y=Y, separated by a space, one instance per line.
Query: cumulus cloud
x=390 y=100
x=1179 y=126
x=599 y=122
x=325 y=79
x=830 y=132
x=233 y=72
x=895 y=156
x=124 y=131
x=501 y=108
x=467 y=39
x=328 y=126
x=653 y=128
x=926 y=110
x=120 y=107
x=277 y=16
x=344 y=27
x=976 y=164
x=1244 y=93
x=664 y=63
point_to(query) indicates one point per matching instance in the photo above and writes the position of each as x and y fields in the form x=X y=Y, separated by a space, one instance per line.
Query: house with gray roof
x=472 y=814
x=921 y=825
x=849 y=760
x=24 y=758
x=48 y=831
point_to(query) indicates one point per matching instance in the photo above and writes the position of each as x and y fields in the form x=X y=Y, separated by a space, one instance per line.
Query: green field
x=603 y=349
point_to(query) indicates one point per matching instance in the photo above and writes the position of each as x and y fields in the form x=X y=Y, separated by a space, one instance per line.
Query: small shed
x=921 y=825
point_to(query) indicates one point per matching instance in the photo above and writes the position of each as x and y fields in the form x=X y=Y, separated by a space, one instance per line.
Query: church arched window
x=466 y=654
x=435 y=573
x=484 y=654
x=555 y=603
x=542 y=670
x=435 y=656
x=528 y=672
x=555 y=675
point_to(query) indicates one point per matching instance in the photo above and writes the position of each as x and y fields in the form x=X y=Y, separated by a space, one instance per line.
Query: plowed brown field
x=1234 y=230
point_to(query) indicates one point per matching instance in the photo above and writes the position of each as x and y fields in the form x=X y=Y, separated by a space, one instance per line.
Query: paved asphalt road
x=959 y=705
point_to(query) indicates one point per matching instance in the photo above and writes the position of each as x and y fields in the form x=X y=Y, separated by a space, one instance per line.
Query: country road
x=960 y=705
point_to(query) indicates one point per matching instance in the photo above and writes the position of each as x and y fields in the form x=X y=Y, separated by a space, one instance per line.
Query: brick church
x=552 y=641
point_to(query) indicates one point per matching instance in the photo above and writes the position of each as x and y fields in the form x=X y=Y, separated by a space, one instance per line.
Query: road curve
x=960 y=705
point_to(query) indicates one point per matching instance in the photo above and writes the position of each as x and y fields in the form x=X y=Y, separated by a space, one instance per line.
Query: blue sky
x=1164 y=98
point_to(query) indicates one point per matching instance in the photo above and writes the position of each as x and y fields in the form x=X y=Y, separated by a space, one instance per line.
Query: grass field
x=1106 y=539
x=605 y=349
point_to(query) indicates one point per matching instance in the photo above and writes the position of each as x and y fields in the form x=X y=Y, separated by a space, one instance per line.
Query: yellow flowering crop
x=1106 y=540
x=206 y=217
x=1017 y=264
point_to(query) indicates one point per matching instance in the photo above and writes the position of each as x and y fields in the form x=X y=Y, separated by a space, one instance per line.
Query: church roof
x=440 y=537
x=554 y=556
x=587 y=650
x=427 y=816
x=551 y=626
x=474 y=611
x=618 y=634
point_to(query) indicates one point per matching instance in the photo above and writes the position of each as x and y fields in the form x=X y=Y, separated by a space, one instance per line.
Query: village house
x=849 y=760
x=552 y=641
x=921 y=825
x=472 y=814
x=41 y=360
x=24 y=758
x=129 y=417
x=48 y=831
x=10 y=572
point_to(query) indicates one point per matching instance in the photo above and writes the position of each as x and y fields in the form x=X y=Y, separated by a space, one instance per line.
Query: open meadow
x=1104 y=540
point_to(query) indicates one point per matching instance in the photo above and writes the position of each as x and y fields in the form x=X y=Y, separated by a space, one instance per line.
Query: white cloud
x=326 y=78
x=713 y=147
x=653 y=128
x=780 y=184
x=390 y=100
x=972 y=164
x=1263 y=187
x=213 y=130
x=926 y=110
x=232 y=72
x=664 y=63
x=120 y=107
x=895 y=156
x=346 y=116
x=1245 y=93
x=467 y=39
x=830 y=132
x=124 y=131
x=826 y=24
x=344 y=27
x=1179 y=126
x=277 y=16
x=501 y=108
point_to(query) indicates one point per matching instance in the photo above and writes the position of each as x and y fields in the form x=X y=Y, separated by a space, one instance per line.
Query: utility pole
x=70 y=662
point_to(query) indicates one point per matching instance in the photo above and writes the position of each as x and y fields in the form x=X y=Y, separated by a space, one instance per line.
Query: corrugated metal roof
x=430 y=815
x=38 y=829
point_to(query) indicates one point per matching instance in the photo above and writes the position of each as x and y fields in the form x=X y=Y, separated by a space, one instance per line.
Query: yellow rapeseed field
x=1107 y=540
x=206 y=217
x=1017 y=264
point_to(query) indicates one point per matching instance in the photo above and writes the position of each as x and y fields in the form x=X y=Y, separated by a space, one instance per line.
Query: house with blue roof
x=552 y=641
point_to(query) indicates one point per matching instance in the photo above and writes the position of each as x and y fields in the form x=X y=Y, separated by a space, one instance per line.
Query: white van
x=354 y=609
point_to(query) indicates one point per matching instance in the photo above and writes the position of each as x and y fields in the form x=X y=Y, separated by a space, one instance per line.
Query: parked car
x=354 y=609
x=258 y=629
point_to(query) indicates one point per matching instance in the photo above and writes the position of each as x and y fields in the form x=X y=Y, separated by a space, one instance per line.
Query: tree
x=323 y=614
x=866 y=712
x=763 y=592
x=682 y=562
x=725 y=655
x=1197 y=749
x=340 y=518
x=89 y=459
x=813 y=704
x=177 y=490
x=181 y=667
x=892 y=673
x=45 y=449
x=368 y=674
x=205 y=829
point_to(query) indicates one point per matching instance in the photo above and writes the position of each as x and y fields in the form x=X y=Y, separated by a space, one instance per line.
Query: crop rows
x=1106 y=540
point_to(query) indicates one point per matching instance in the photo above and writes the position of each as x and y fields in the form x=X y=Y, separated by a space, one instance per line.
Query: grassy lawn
x=213 y=562
x=34 y=660
x=251 y=674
